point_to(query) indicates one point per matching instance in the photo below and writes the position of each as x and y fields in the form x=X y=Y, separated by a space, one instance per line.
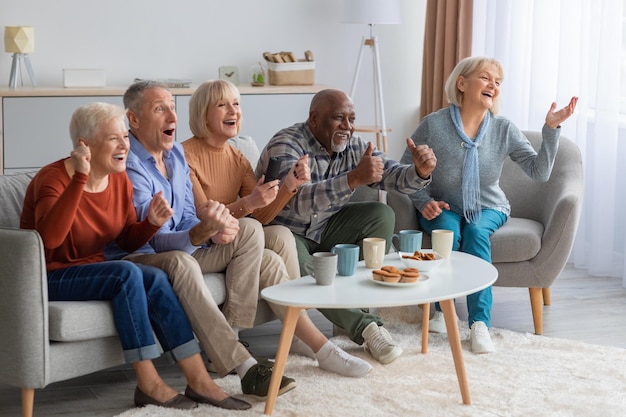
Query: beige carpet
x=528 y=376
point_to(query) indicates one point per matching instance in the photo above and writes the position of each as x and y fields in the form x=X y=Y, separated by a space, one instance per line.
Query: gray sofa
x=45 y=342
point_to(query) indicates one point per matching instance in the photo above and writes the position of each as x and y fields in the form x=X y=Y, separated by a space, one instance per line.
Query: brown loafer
x=179 y=401
x=229 y=403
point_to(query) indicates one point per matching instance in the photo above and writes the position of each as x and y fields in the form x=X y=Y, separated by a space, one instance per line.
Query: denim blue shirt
x=147 y=181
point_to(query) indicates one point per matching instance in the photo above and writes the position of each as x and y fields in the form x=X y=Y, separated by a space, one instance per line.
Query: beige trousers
x=241 y=260
x=248 y=268
x=280 y=240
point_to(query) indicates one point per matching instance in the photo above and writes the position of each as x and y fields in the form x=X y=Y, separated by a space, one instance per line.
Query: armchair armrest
x=24 y=346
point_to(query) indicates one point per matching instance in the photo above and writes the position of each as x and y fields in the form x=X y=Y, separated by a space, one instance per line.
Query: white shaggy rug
x=528 y=376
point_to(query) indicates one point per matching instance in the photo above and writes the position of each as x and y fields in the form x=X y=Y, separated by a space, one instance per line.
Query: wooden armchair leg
x=28 y=400
x=546 y=296
x=536 y=305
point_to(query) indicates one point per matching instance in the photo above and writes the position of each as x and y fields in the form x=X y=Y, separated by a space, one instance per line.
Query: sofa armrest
x=23 y=309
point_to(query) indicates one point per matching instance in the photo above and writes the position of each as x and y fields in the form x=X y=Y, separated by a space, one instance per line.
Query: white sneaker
x=479 y=336
x=331 y=358
x=437 y=324
x=298 y=347
x=379 y=343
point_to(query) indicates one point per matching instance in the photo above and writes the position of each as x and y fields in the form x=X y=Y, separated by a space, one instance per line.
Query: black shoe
x=210 y=366
x=229 y=403
x=256 y=382
x=179 y=401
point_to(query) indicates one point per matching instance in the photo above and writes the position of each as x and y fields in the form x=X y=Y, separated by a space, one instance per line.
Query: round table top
x=458 y=276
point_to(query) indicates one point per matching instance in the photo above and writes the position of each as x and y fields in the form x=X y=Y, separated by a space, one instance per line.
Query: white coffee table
x=461 y=275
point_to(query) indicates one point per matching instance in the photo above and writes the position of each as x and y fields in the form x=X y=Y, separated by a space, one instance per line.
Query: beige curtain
x=447 y=40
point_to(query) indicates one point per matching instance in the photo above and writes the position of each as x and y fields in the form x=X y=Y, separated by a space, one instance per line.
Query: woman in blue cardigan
x=471 y=144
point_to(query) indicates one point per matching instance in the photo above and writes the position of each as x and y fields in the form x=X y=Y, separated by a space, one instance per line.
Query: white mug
x=442 y=242
x=374 y=252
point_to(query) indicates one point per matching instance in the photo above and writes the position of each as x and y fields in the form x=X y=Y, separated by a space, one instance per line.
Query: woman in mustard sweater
x=222 y=173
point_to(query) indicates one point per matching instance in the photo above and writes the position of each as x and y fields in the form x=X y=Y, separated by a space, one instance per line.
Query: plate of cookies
x=394 y=277
x=424 y=259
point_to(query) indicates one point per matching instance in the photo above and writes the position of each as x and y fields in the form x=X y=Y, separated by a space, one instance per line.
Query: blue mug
x=347 y=258
x=408 y=241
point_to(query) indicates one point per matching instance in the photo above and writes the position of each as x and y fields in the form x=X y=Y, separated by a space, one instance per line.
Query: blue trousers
x=142 y=299
x=472 y=238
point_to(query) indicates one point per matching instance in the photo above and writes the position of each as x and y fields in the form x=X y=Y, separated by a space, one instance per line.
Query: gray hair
x=133 y=97
x=464 y=68
x=87 y=119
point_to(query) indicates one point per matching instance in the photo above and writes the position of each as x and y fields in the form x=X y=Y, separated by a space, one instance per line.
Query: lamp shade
x=19 y=39
x=378 y=12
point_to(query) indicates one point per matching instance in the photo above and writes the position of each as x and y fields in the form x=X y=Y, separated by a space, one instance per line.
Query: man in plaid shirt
x=320 y=214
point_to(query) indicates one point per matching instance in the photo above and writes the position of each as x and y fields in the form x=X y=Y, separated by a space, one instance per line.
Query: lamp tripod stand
x=16 y=69
x=380 y=126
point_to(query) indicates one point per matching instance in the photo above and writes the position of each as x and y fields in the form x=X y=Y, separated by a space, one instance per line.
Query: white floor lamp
x=372 y=12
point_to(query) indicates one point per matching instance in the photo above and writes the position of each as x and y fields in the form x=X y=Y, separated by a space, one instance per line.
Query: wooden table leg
x=286 y=336
x=449 y=314
x=425 y=319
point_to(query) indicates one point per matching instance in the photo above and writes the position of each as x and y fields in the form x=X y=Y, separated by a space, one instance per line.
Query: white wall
x=192 y=38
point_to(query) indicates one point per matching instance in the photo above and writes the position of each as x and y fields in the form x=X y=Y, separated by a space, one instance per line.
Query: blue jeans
x=142 y=300
x=472 y=238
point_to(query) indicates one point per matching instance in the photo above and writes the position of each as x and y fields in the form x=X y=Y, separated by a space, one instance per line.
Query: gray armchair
x=532 y=248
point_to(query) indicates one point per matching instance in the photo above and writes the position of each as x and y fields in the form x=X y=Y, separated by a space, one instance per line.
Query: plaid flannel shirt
x=328 y=191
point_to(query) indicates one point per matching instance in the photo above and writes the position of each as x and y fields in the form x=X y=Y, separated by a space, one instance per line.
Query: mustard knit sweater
x=225 y=175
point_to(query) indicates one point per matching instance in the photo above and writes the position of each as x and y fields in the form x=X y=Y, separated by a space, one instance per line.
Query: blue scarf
x=471 y=179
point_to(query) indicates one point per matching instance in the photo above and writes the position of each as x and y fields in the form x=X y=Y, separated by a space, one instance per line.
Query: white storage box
x=88 y=77
x=291 y=73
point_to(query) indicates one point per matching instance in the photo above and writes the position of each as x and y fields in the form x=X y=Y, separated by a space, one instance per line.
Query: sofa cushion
x=517 y=241
x=12 y=190
x=71 y=321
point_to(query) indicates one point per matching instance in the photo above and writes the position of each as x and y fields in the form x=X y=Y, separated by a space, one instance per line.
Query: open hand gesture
x=555 y=118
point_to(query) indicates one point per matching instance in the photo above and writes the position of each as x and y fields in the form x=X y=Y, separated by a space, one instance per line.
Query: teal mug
x=347 y=258
x=408 y=241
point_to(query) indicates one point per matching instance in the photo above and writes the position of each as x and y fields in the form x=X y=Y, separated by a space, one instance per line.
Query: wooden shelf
x=58 y=91
x=379 y=134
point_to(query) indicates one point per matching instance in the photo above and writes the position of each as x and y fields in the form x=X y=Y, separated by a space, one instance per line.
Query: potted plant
x=257 y=75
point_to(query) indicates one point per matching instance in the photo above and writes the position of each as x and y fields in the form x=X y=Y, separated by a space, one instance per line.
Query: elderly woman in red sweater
x=80 y=204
